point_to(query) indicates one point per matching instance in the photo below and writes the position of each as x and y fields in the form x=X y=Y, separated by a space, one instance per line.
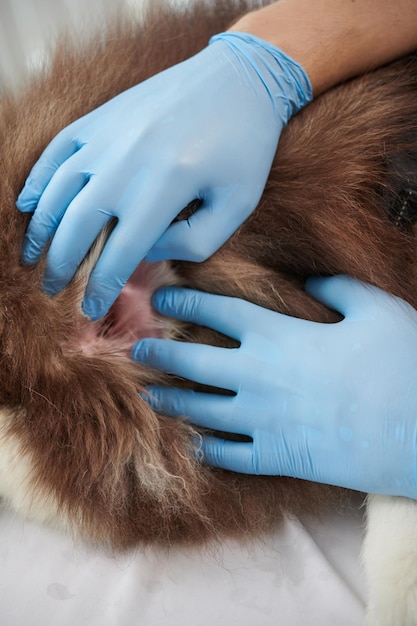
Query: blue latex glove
x=333 y=403
x=207 y=128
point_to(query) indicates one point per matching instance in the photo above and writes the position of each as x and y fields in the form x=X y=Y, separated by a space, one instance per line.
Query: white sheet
x=308 y=574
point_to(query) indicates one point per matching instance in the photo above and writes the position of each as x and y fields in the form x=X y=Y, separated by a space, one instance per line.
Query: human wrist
x=285 y=80
x=280 y=25
x=334 y=40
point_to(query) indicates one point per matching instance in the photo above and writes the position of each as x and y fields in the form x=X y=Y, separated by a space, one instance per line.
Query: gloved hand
x=333 y=403
x=207 y=128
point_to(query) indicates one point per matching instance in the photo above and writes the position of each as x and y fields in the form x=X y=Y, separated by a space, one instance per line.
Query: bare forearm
x=336 y=39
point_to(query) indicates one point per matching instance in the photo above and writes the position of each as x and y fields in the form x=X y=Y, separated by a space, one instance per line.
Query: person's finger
x=198 y=237
x=206 y=410
x=222 y=313
x=202 y=364
x=66 y=183
x=61 y=148
x=75 y=236
x=344 y=294
x=228 y=455
x=131 y=238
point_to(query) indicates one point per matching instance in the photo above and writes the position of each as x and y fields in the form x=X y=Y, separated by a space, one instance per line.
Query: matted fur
x=79 y=446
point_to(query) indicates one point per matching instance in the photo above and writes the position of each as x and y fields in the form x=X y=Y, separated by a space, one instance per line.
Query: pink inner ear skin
x=131 y=317
x=132 y=314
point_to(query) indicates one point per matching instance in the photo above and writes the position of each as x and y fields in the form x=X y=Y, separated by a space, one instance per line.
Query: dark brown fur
x=119 y=472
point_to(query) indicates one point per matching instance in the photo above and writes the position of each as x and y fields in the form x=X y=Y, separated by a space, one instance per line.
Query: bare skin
x=334 y=40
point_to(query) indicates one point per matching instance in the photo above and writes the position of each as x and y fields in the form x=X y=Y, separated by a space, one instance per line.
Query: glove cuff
x=284 y=79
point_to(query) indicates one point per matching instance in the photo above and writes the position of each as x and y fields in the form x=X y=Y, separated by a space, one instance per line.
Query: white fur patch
x=390 y=561
x=16 y=479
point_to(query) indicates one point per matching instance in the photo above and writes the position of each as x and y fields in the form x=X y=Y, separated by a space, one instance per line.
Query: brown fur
x=116 y=470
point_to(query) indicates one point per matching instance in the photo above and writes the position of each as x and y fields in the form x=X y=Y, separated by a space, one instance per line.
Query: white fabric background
x=308 y=574
x=27 y=26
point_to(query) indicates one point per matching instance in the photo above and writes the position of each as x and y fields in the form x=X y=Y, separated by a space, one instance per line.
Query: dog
x=80 y=448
